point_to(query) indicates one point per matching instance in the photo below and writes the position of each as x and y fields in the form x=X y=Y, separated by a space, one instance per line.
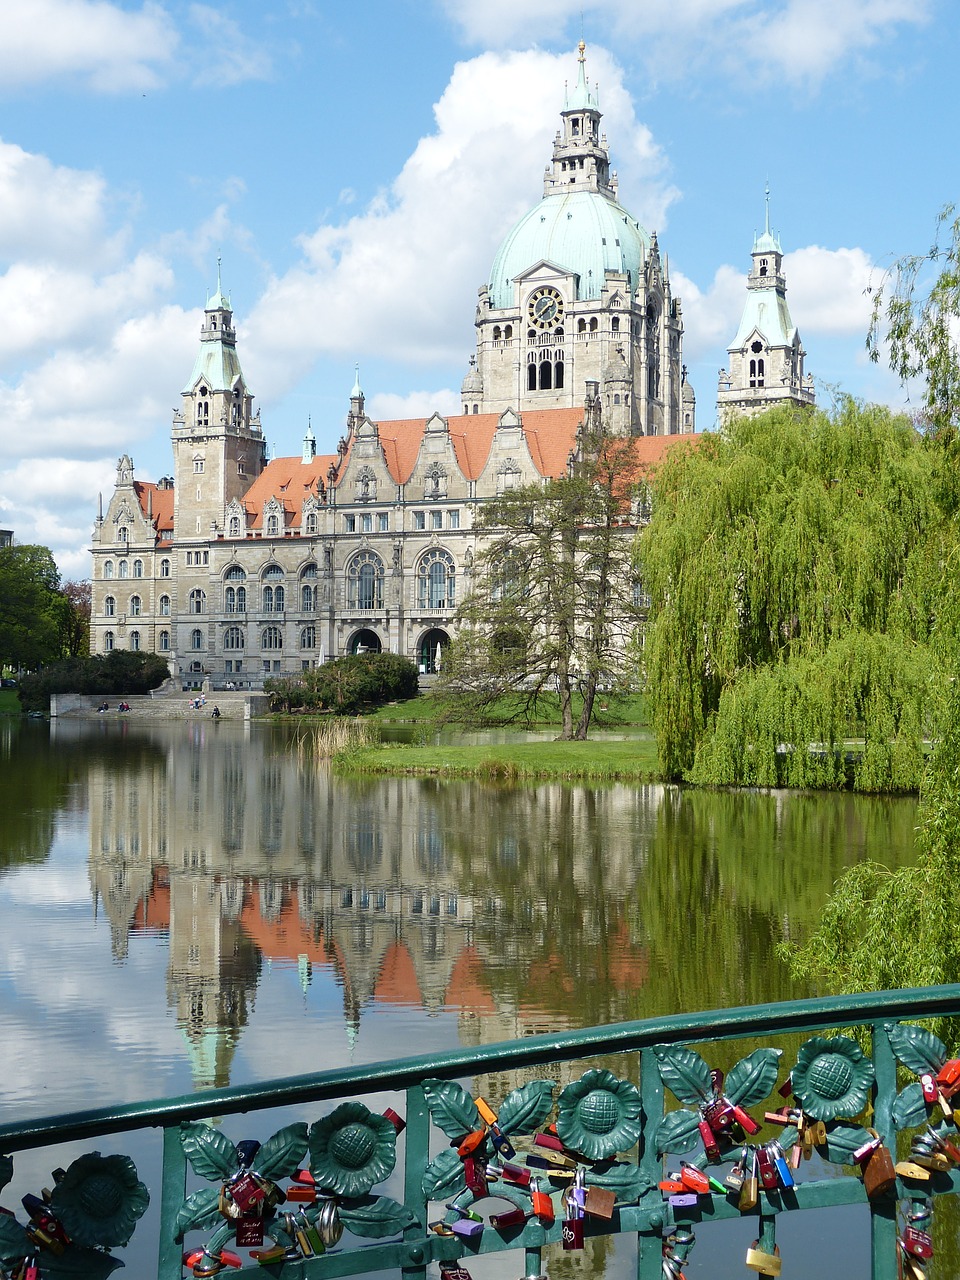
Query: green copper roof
x=218 y=363
x=767 y=312
x=581 y=98
x=584 y=232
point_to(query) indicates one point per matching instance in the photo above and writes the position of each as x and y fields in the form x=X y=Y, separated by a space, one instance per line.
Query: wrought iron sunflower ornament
x=352 y=1149
x=99 y=1200
x=832 y=1077
x=599 y=1115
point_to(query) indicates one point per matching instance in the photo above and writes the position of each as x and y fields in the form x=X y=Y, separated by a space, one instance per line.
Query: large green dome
x=582 y=231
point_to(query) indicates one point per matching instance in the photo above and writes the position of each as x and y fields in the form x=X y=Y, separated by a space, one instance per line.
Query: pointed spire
x=581 y=97
x=218 y=302
x=309 y=444
x=767 y=242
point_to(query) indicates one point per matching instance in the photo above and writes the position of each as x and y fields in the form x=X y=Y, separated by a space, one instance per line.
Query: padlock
x=466 y=1146
x=913 y=1172
x=272 y=1194
x=249 y=1232
x=784 y=1175
x=864 y=1152
x=599 y=1202
x=208 y=1264
x=768 y=1174
x=918 y=1243
x=672 y=1186
x=247 y=1152
x=719 y=1115
x=545 y=1158
x=684 y=1200
x=509 y=1218
x=267 y=1257
x=745 y=1120
x=948 y=1077
x=768 y=1264
x=247 y=1193
x=734 y=1179
x=542 y=1204
x=750 y=1191
x=396 y=1120
x=516 y=1173
x=474 y=1171
x=310 y=1232
x=453 y=1270
x=928 y=1085
x=786 y=1089
x=709 y=1142
x=571 y=1233
x=464 y=1213
x=32 y=1270
x=693 y=1179
x=467 y=1228
x=227 y=1206
x=328 y=1221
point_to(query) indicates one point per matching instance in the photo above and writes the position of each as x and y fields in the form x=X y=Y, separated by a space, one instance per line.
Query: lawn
x=9 y=702
x=609 y=713
x=632 y=761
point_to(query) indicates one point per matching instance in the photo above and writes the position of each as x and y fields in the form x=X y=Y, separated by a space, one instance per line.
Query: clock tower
x=577 y=288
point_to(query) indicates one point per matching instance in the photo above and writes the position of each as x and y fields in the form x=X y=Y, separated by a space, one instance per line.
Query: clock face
x=545 y=308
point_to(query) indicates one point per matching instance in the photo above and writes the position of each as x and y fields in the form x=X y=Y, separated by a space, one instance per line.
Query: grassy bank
x=428 y=709
x=9 y=702
x=632 y=761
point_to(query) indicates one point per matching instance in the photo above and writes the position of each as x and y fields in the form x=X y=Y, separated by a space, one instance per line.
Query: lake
x=200 y=904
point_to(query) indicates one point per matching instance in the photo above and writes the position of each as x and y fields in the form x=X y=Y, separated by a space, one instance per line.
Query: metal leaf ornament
x=753 y=1077
x=832 y=1077
x=282 y=1153
x=599 y=1115
x=83 y=1264
x=452 y=1109
x=99 y=1200
x=843 y=1140
x=526 y=1108
x=626 y=1180
x=210 y=1152
x=678 y=1132
x=375 y=1217
x=685 y=1073
x=199 y=1212
x=909 y=1108
x=14 y=1241
x=917 y=1048
x=352 y=1149
x=443 y=1177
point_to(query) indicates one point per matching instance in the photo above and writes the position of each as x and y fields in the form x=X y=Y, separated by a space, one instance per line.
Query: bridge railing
x=609 y=1140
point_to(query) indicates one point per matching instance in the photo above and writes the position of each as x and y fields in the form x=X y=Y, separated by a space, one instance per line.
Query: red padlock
x=396 y=1120
x=571 y=1233
x=917 y=1243
x=542 y=1204
x=928 y=1085
x=693 y=1180
x=745 y=1120
x=709 y=1142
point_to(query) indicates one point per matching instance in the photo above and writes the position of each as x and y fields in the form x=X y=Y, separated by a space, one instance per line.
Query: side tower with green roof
x=578 y=286
x=766 y=356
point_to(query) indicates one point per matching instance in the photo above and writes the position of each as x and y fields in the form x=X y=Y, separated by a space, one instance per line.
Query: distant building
x=6 y=537
x=766 y=356
x=238 y=567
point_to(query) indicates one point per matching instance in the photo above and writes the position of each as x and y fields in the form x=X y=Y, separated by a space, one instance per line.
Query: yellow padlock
x=768 y=1264
x=907 y=1169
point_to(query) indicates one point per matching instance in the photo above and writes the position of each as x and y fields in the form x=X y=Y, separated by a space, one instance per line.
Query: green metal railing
x=642 y=1209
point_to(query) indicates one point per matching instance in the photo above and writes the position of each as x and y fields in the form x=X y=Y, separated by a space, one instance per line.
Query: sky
x=355 y=166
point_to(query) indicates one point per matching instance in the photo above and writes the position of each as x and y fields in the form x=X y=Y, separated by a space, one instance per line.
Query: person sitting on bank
x=216 y=713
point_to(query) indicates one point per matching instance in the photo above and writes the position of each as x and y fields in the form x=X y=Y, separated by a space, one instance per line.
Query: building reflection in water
x=504 y=905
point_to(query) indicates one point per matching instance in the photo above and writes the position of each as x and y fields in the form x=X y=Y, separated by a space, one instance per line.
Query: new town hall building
x=238 y=567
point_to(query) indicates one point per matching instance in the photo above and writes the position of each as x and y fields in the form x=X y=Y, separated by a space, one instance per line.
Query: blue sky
x=355 y=166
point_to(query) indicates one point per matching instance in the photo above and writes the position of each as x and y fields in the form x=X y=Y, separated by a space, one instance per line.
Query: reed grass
x=338 y=736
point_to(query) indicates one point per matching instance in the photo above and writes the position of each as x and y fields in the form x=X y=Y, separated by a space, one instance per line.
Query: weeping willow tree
x=801 y=569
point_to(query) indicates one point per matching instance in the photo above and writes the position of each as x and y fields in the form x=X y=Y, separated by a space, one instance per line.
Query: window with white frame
x=365 y=581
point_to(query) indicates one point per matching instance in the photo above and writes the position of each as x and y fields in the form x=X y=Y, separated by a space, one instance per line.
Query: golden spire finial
x=583 y=50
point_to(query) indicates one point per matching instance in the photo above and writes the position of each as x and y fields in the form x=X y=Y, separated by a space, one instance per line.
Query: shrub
x=346 y=685
x=118 y=672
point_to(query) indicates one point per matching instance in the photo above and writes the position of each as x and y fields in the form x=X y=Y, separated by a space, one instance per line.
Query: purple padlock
x=468 y=1228
x=684 y=1200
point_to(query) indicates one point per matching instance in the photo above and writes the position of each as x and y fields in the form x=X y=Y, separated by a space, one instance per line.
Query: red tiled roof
x=397 y=981
x=151 y=496
x=289 y=480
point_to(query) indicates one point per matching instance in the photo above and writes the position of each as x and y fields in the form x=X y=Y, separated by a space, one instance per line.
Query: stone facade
x=236 y=567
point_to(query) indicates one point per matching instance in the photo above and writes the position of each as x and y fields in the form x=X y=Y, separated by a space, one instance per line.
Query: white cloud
x=229 y=56
x=827 y=290
x=711 y=315
x=802 y=39
x=387 y=407
x=394 y=278
x=106 y=47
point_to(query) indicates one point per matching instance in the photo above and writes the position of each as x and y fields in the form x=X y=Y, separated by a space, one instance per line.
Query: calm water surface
x=197 y=904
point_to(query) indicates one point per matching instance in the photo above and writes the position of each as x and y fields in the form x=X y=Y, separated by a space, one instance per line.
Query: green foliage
x=346 y=685
x=915 y=316
x=32 y=609
x=118 y=672
x=884 y=928
x=800 y=568
x=552 y=609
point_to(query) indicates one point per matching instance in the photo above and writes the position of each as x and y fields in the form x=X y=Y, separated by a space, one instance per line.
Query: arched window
x=235 y=574
x=593 y=324
x=615 y=324
x=278 y=600
x=108 y=569
x=230 y=600
x=365 y=581
x=310 y=524
x=164 y=568
x=233 y=638
x=268 y=599
x=164 y=639
x=496 y=333
x=308 y=638
x=508 y=331
x=308 y=598
x=531 y=376
x=272 y=572
x=558 y=374
x=273 y=525
x=107 y=641
x=581 y=325
x=198 y=601
x=122 y=569
x=135 y=641
x=271 y=638
x=196 y=638
x=203 y=411
x=234 y=527
x=121 y=534
x=138 y=568
x=110 y=607
x=546 y=375
x=436 y=580
x=135 y=605
x=309 y=570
